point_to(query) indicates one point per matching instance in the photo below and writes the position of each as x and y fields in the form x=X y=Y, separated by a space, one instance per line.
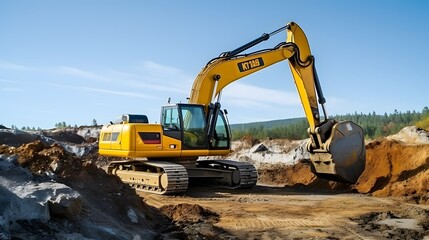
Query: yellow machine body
x=127 y=141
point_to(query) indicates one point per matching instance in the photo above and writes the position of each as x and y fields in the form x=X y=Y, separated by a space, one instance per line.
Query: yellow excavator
x=163 y=158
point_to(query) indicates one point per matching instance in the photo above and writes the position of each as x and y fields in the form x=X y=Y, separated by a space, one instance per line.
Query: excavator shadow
x=197 y=191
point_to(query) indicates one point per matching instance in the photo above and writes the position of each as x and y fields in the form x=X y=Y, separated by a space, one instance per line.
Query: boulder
x=260 y=148
x=23 y=198
x=65 y=205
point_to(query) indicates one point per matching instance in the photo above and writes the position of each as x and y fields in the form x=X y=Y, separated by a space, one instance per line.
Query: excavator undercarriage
x=163 y=177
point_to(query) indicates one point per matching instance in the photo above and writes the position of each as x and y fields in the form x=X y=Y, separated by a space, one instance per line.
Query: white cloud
x=162 y=70
x=7 y=81
x=147 y=75
x=165 y=75
x=153 y=76
x=14 y=67
x=335 y=105
x=250 y=96
x=11 y=89
x=123 y=74
x=79 y=73
x=160 y=87
x=121 y=93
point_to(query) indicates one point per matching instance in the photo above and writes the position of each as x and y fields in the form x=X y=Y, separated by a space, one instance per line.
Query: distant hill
x=374 y=125
x=266 y=124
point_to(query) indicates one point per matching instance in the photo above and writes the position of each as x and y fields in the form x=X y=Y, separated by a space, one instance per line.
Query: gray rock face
x=22 y=198
x=65 y=205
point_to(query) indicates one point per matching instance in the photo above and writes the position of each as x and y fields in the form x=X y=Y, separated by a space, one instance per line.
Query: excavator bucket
x=342 y=158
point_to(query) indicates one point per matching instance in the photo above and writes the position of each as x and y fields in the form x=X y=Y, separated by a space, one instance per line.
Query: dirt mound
x=191 y=213
x=197 y=222
x=16 y=138
x=298 y=176
x=68 y=136
x=394 y=168
x=39 y=158
x=249 y=140
x=288 y=175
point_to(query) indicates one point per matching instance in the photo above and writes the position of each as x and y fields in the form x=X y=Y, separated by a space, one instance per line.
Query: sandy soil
x=270 y=212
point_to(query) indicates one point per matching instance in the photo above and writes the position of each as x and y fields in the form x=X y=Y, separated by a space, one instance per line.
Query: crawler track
x=161 y=177
x=154 y=176
x=248 y=174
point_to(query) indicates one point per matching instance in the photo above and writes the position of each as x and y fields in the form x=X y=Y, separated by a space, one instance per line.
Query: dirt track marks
x=266 y=212
x=265 y=224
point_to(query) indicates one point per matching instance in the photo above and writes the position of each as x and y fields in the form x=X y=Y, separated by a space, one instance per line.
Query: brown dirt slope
x=394 y=168
x=192 y=213
x=298 y=176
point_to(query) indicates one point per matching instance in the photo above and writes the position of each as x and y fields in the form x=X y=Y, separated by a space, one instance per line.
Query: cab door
x=222 y=134
x=193 y=126
x=170 y=121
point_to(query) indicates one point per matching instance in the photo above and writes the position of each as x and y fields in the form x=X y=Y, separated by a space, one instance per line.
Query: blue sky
x=75 y=61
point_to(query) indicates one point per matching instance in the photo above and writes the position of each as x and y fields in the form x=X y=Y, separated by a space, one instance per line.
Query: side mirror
x=225 y=111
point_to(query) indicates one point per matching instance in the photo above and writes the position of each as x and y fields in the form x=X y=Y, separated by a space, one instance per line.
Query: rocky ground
x=90 y=203
x=52 y=186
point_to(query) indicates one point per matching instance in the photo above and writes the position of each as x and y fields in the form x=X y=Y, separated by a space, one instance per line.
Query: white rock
x=87 y=132
x=132 y=215
x=411 y=135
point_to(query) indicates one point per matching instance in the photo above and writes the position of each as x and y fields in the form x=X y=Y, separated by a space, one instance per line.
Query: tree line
x=59 y=125
x=373 y=124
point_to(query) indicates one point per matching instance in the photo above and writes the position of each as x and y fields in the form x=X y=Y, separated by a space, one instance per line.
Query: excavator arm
x=230 y=66
x=337 y=149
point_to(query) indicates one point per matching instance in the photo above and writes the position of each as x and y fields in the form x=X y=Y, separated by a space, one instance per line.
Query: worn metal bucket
x=343 y=156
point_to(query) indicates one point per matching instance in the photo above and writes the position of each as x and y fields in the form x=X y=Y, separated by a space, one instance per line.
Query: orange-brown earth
x=393 y=168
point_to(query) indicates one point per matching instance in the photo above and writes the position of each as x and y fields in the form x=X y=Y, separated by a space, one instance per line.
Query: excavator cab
x=337 y=151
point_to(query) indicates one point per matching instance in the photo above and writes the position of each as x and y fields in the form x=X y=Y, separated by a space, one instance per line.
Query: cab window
x=194 y=126
x=221 y=137
x=171 y=120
